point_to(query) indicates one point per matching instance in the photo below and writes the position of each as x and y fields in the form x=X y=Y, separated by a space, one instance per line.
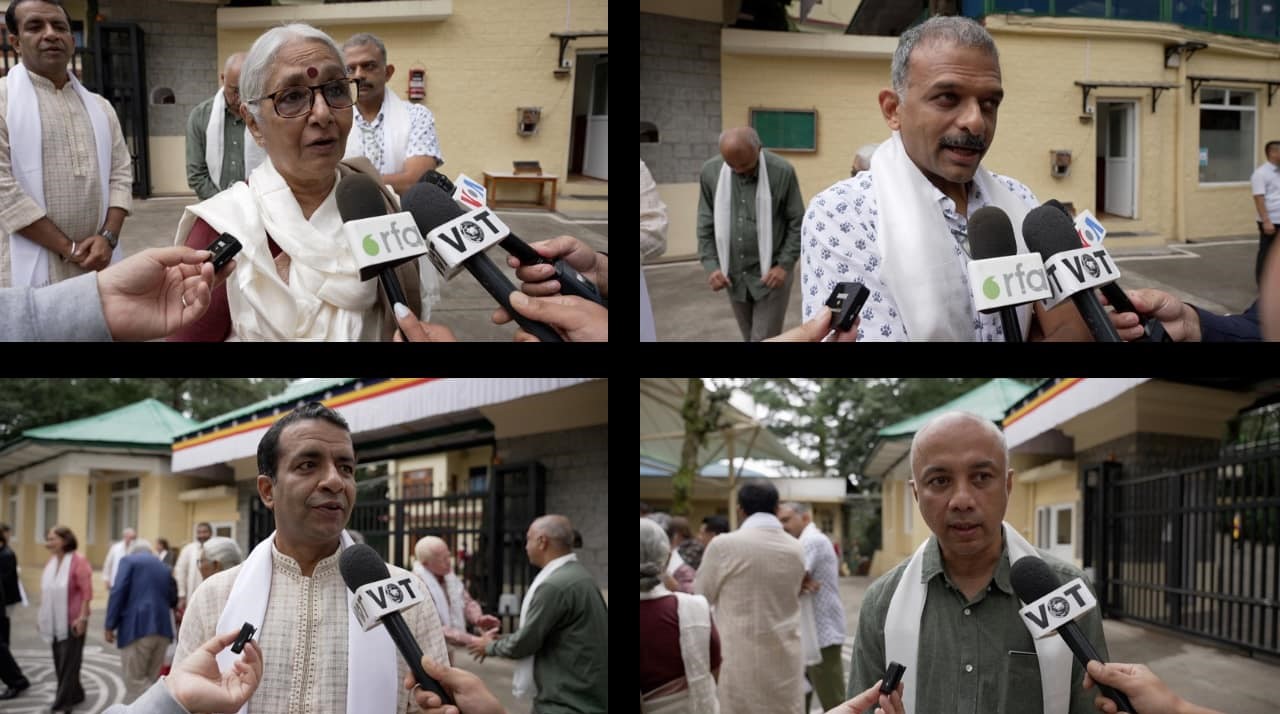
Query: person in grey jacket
x=195 y=685
x=145 y=296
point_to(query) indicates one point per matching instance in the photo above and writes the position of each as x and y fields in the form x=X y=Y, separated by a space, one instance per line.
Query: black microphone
x=991 y=236
x=359 y=198
x=1153 y=329
x=1032 y=579
x=458 y=240
x=1049 y=231
x=361 y=565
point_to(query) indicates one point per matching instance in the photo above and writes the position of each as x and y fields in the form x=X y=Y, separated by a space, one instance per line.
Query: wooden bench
x=493 y=180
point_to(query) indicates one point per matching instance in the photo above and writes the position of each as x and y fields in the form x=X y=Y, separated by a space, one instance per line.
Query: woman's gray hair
x=223 y=550
x=655 y=549
x=257 y=64
x=139 y=545
x=961 y=31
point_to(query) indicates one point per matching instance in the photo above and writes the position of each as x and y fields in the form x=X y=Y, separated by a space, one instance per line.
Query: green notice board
x=787 y=130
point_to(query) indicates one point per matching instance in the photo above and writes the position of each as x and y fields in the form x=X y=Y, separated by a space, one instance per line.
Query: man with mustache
x=316 y=657
x=66 y=178
x=901 y=228
x=949 y=612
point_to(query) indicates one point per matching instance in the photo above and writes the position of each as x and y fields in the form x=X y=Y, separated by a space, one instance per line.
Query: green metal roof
x=146 y=423
x=990 y=401
x=292 y=393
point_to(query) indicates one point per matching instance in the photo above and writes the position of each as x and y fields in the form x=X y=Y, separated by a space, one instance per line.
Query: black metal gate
x=120 y=60
x=1195 y=549
x=485 y=529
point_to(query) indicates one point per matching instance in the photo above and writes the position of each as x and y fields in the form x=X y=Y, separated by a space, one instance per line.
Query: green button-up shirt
x=198 y=177
x=566 y=631
x=975 y=656
x=744 y=253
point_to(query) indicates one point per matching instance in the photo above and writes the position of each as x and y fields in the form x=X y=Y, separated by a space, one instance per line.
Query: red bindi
x=311 y=72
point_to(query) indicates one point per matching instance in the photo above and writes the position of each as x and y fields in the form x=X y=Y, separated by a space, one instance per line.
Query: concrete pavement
x=464 y=306
x=1200 y=673
x=1216 y=275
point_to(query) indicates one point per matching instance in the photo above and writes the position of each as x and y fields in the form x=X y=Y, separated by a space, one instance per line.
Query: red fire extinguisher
x=417 y=84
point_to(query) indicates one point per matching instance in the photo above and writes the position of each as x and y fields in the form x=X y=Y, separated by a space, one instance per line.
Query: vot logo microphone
x=1073 y=271
x=471 y=233
x=1062 y=605
x=374 y=601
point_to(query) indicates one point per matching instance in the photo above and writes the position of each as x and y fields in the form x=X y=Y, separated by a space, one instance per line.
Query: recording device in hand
x=1059 y=606
x=246 y=633
x=361 y=566
x=846 y=300
x=892 y=675
x=222 y=251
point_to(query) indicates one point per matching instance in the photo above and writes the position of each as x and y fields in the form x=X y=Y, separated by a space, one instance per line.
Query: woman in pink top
x=65 y=592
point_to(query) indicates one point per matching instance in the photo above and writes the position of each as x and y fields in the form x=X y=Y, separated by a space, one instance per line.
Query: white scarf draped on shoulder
x=213 y=144
x=372 y=675
x=52 y=620
x=28 y=260
x=522 y=684
x=395 y=125
x=918 y=249
x=723 y=217
x=902 y=632
x=324 y=298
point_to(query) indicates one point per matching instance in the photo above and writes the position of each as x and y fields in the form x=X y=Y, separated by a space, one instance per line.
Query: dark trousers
x=67 y=655
x=10 y=672
x=1264 y=245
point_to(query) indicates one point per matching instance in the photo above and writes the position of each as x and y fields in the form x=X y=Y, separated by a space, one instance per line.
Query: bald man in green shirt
x=973 y=653
x=564 y=628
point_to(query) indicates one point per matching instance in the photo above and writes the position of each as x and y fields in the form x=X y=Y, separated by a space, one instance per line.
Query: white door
x=1062 y=532
x=596 y=161
x=1120 y=159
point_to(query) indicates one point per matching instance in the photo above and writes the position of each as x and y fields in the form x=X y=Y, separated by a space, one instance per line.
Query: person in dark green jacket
x=563 y=641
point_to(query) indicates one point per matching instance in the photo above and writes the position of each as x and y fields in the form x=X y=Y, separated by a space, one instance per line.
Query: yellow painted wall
x=73 y=503
x=1187 y=410
x=682 y=219
x=482 y=63
x=169 y=165
x=212 y=511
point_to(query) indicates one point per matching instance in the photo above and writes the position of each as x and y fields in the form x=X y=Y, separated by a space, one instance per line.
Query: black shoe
x=11 y=692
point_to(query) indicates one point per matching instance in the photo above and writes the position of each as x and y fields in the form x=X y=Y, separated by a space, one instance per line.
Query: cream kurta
x=304 y=636
x=70 y=174
x=753 y=577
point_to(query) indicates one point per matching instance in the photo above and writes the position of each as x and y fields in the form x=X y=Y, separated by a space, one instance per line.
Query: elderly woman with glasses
x=296 y=277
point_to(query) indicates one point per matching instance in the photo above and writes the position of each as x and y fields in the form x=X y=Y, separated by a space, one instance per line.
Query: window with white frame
x=1228 y=134
x=124 y=507
x=46 y=510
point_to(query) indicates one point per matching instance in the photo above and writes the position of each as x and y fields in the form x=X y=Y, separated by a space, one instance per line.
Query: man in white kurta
x=752 y=578
x=117 y=551
x=306 y=477
x=187 y=571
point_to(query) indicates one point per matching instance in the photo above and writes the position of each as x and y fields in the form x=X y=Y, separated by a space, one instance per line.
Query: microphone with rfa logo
x=373 y=601
x=1065 y=604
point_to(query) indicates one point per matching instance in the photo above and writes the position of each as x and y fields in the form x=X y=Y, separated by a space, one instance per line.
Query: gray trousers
x=141 y=661
x=761 y=319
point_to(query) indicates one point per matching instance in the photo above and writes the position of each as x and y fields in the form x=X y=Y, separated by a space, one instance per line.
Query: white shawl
x=902 y=633
x=395 y=127
x=450 y=605
x=54 y=590
x=324 y=298
x=918 y=249
x=694 y=616
x=764 y=218
x=372 y=679
x=29 y=261
x=253 y=154
x=522 y=684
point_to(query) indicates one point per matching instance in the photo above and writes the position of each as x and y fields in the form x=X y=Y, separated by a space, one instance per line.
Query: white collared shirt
x=1266 y=183
x=838 y=243
x=761 y=520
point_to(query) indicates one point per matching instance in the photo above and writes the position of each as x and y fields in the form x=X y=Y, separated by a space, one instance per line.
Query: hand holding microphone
x=1143 y=687
x=541 y=279
x=1073 y=272
x=1179 y=321
x=467 y=690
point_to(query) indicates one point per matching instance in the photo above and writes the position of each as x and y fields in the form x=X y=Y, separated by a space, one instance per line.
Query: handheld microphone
x=379 y=599
x=1153 y=329
x=1052 y=608
x=378 y=241
x=458 y=239
x=1000 y=278
x=1072 y=271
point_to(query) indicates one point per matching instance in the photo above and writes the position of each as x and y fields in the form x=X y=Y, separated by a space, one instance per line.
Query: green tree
x=29 y=403
x=701 y=412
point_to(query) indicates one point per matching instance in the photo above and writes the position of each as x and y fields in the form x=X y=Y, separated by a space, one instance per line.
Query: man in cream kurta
x=304 y=637
x=69 y=152
x=752 y=578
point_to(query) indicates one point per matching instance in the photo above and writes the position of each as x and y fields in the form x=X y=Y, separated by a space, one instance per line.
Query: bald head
x=433 y=553
x=740 y=148
x=943 y=424
x=549 y=537
x=230 y=80
x=129 y=535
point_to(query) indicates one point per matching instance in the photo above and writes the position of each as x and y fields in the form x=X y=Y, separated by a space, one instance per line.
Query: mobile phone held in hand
x=845 y=301
x=223 y=250
x=892 y=675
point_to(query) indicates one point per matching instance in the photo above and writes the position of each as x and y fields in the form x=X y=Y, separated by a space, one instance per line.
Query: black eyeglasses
x=293 y=102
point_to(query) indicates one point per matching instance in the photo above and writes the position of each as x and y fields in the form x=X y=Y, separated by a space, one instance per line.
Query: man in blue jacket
x=138 y=616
